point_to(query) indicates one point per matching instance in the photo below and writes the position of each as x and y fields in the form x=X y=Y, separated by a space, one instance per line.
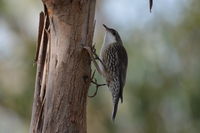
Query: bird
x=113 y=66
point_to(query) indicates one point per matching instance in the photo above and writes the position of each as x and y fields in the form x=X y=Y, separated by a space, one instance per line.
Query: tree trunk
x=63 y=66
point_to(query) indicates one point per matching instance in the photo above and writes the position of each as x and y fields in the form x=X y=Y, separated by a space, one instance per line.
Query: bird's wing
x=123 y=62
x=116 y=61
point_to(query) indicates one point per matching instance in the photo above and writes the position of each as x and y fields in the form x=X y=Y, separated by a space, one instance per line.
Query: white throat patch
x=109 y=38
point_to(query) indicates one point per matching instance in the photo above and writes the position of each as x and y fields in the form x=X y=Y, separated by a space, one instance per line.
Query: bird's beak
x=105 y=27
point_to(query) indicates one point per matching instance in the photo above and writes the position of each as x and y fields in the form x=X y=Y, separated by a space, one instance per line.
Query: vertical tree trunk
x=63 y=67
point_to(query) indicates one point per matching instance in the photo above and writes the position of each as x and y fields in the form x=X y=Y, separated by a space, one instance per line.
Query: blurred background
x=162 y=92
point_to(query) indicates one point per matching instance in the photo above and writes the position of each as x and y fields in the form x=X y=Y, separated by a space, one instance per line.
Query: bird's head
x=111 y=36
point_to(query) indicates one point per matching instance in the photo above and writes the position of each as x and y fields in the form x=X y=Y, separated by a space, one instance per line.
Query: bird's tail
x=115 y=109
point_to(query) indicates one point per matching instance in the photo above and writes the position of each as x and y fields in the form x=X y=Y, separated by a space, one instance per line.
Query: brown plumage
x=114 y=67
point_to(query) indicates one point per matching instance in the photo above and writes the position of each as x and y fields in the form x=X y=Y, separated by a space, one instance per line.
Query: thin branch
x=94 y=57
x=97 y=85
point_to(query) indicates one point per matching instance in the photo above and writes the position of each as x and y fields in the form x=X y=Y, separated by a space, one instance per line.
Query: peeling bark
x=63 y=66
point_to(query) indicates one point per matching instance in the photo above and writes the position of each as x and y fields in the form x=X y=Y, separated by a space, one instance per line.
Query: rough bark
x=63 y=66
